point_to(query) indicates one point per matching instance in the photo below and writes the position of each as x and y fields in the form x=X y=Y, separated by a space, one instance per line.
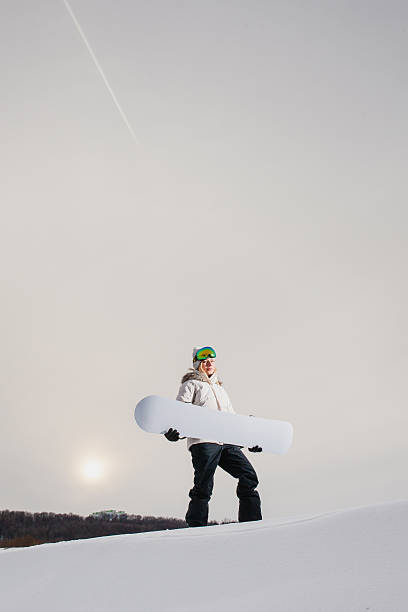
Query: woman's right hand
x=172 y=435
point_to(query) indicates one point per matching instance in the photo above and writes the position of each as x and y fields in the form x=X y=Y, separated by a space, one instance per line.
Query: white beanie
x=196 y=364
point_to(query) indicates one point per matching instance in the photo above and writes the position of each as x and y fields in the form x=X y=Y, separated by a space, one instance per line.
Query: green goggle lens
x=205 y=353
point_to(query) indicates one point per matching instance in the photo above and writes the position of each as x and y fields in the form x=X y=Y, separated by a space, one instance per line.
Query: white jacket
x=197 y=388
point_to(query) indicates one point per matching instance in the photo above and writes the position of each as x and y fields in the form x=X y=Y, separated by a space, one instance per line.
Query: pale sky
x=263 y=211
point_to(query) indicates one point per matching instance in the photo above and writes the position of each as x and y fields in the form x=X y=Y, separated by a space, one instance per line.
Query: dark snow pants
x=206 y=456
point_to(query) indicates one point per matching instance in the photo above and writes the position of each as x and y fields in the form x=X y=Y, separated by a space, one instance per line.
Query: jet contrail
x=101 y=72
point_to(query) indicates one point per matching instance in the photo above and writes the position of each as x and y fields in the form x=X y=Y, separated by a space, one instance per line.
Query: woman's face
x=209 y=366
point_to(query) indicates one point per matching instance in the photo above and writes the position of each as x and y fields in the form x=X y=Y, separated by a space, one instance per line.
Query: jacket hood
x=193 y=374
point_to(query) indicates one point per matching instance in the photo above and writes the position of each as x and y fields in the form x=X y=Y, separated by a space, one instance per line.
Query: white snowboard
x=157 y=414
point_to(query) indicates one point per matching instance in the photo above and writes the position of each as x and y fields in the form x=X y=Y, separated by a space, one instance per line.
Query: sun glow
x=93 y=469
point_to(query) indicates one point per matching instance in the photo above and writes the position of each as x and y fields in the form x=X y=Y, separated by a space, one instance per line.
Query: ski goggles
x=205 y=353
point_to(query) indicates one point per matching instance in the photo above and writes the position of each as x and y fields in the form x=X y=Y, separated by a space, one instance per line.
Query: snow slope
x=349 y=561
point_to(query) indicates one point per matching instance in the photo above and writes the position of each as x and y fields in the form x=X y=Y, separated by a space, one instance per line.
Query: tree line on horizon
x=20 y=528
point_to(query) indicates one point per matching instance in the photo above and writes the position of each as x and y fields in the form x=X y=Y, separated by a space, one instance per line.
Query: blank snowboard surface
x=157 y=414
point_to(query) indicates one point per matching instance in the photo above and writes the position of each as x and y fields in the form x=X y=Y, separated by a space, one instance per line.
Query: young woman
x=202 y=386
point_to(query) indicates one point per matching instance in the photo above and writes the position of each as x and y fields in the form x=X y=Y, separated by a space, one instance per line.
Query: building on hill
x=109 y=515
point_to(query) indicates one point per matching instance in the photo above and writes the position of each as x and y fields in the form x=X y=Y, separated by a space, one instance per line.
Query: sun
x=93 y=469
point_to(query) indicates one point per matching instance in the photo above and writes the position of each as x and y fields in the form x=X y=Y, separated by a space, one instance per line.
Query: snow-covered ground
x=348 y=561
